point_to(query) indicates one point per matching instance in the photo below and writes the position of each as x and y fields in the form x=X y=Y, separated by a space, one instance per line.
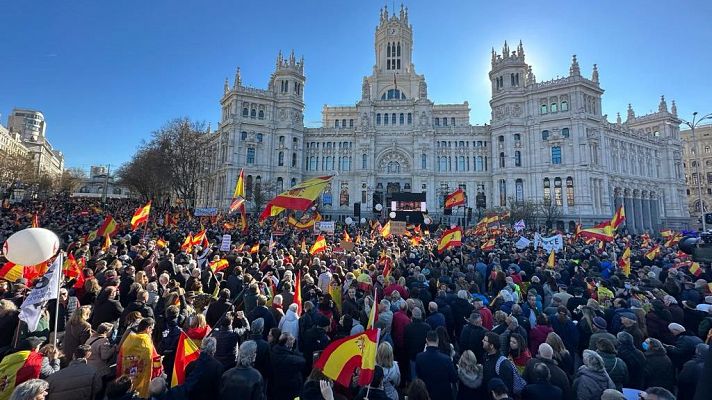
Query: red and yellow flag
x=219 y=265
x=108 y=227
x=200 y=239
x=652 y=253
x=488 y=245
x=341 y=358
x=107 y=243
x=666 y=233
x=624 y=262
x=551 y=261
x=299 y=197
x=35 y=220
x=187 y=244
x=140 y=216
x=695 y=269
x=298 y=292
x=604 y=234
x=386 y=229
x=347 y=238
x=618 y=218
x=456 y=198
x=16 y=368
x=450 y=238
x=186 y=352
x=318 y=246
x=304 y=223
x=160 y=242
x=255 y=248
x=139 y=359
x=11 y=272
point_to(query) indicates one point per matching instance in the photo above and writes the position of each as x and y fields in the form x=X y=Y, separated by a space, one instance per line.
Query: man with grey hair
x=558 y=376
x=202 y=374
x=243 y=381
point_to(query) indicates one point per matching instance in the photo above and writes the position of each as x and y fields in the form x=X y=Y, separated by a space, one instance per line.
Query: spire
x=618 y=118
x=226 y=87
x=520 y=50
x=531 y=78
x=238 y=78
x=673 y=109
x=574 y=70
x=494 y=56
x=402 y=12
x=505 y=50
x=291 y=58
x=631 y=113
x=279 y=59
x=594 y=74
x=662 y=107
x=406 y=16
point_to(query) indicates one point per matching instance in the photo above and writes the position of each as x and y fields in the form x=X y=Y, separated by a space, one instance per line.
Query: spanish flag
x=140 y=216
x=255 y=248
x=415 y=240
x=298 y=292
x=666 y=233
x=35 y=220
x=373 y=314
x=618 y=218
x=200 y=239
x=488 y=245
x=11 y=272
x=341 y=358
x=108 y=227
x=16 y=368
x=299 y=197
x=139 y=360
x=551 y=262
x=318 y=246
x=186 y=352
x=187 y=243
x=347 y=238
x=161 y=243
x=219 y=265
x=695 y=269
x=650 y=255
x=386 y=229
x=456 y=198
x=450 y=238
x=307 y=223
x=624 y=262
x=673 y=239
x=107 y=243
x=604 y=234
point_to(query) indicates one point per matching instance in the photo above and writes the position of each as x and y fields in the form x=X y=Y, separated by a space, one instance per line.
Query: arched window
x=519 y=190
x=253 y=113
x=565 y=133
x=243 y=135
x=554 y=107
x=280 y=184
x=544 y=109
x=280 y=159
x=393 y=167
x=500 y=138
x=423 y=161
x=570 y=191
x=545 y=134
x=260 y=137
x=564 y=105
x=364 y=161
x=517 y=137
x=393 y=94
x=559 y=201
x=707 y=149
x=478 y=164
x=293 y=182
x=556 y=155
x=378 y=119
x=294 y=160
x=261 y=115
x=410 y=118
x=502 y=193
x=245 y=112
x=501 y=160
x=547 y=192
x=442 y=164
x=336 y=123
x=313 y=163
x=437 y=121
x=385 y=119
x=401 y=120
x=517 y=158
x=281 y=141
x=461 y=163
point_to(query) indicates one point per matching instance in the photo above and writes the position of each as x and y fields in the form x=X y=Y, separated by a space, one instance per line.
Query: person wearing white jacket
x=290 y=321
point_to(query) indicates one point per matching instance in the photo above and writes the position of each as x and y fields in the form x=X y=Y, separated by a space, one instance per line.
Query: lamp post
x=693 y=124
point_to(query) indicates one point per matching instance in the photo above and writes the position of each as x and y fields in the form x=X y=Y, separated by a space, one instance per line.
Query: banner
x=226 y=242
x=522 y=243
x=550 y=243
x=205 y=212
x=398 y=228
x=45 y=289
x=327 y=227
x=519 y=225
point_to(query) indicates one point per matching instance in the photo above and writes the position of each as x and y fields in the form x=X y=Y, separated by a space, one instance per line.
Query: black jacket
x=542 y=391
x=684 y=349
x=216 y=311
x=315 y=339
x=244 y=383
x=689 y=376
x=635 y=361
x=415 y=334
x=262 y=312
x=558 y=376
x=263 y=362
x=437 y=371
x=489 y=370
x=202 y=378
x=226 y=340
x=471 y=339
x=105 y=310
x=659 y=371
x=286 y=379
x=139 y=306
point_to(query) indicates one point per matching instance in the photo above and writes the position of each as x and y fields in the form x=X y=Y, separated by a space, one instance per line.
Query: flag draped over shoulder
x=451 y=238
x=186 y=352
x=140 y=216
x=456 y=198
x=299 y=197
x=16 y=368
x=139 y=360
x=341 y=358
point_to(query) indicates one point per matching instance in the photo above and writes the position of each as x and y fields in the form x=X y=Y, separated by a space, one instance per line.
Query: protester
x=78 y=381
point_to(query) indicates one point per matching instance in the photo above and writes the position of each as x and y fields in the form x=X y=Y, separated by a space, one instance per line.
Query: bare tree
x=15 y=168
x=146 y=173
x=262 y=192
x=71 y=179
x=549 y=212
x=526 y=210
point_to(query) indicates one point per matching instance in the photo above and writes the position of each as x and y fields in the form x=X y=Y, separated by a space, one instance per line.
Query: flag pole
x=56 y=306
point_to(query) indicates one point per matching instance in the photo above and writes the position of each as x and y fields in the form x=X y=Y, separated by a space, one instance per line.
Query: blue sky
x=107 y=73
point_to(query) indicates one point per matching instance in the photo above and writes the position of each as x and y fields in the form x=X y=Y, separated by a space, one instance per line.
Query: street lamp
x=692 y=126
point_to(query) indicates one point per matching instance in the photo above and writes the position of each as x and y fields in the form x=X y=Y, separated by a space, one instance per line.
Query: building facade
x=546 y=142
x=31 y=127
x=101 y=184
x=697 y=162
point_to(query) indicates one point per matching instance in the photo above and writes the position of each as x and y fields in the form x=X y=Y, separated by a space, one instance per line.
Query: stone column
x=638 y=209
x=629 y=215
x=647 y=221
x=655 y=214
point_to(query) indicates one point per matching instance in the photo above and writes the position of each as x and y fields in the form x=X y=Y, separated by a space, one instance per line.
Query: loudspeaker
x=357 y=211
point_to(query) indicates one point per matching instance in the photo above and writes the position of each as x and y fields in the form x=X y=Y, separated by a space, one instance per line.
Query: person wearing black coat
x=202 y=376
x=657 y=321
x=634 y=359
x=472 y=335
x=540 y=387
x=169 y=338
x=261 y=311
x=139 y=305
x=107 y=308
x=315 y=339
x=436 y=369
x=415 y=333
x=262 y=360
x=659 y=369
x=243 y=381
x=684 y=348
x=286 y=379
x=227 y=340
x=691 y=373
x=558 y=377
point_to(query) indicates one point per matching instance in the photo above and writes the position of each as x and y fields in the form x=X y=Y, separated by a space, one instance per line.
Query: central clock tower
x=394 y=43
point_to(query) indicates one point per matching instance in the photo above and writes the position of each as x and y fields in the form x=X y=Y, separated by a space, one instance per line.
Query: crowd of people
x=459 y=324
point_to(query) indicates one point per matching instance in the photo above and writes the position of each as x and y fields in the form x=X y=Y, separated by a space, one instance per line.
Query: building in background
x=697 y=162
x=547 y=142
x=30 y=125
x=101 y=184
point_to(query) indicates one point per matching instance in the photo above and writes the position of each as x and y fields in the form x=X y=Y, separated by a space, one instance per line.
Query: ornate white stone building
x=31 y=127
x=546 y=142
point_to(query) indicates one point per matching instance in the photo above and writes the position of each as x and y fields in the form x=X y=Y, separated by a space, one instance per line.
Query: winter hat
x=676 y=328
x=600 y=323
x=546 y=351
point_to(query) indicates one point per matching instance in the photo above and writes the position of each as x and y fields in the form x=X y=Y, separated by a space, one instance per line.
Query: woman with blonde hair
x=77 y=330
x=561 y=355
x=469 y=373
x=198 y=328
x=91 y=291
x=391 y=371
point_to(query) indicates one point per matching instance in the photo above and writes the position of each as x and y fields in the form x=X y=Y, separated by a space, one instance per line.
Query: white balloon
x=31 y=246
x=363 y=220
x=392 y=214
x=427 y=220
x=379 y=207
x=349 y=221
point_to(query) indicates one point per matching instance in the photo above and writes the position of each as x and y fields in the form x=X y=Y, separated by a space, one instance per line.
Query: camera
x=700 y=248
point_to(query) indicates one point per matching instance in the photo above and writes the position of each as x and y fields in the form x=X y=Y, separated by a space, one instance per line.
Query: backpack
x=518 y=383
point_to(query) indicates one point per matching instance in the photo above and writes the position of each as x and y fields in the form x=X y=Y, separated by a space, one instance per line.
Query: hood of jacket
x=471 y=379
x=599 y=378
x=290 y=316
